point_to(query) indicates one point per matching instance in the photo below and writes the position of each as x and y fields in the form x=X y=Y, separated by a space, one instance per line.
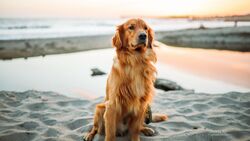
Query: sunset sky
x=117 y=8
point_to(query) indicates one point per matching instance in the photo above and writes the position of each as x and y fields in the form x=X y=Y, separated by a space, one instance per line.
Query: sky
x=118 y=8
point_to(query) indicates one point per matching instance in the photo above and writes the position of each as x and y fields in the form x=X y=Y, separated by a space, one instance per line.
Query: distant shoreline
x=226 y=38
x=239 y=18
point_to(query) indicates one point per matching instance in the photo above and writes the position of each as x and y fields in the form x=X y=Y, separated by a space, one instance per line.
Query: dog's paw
x=88 y=137
x=147 y=131
x=159 y=117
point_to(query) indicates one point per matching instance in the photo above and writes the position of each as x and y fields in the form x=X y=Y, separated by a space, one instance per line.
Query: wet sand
x=227 y=38
x=10 y=49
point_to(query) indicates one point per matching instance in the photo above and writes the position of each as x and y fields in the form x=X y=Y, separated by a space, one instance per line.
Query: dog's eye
x=146 y=28
x=131 y=27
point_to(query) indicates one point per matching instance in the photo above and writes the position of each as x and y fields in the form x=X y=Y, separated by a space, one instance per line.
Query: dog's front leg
x=136 y=122
x=98 y=122
x=110 y=117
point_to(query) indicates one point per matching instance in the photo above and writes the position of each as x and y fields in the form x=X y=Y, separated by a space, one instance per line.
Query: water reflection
x=228 y=66
x=70 y=74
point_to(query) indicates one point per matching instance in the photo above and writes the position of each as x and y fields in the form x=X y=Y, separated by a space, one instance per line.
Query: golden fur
x=129 y=86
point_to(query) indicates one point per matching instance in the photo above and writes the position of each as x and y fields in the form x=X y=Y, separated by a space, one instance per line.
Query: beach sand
x=37 y=116
x=10 y=49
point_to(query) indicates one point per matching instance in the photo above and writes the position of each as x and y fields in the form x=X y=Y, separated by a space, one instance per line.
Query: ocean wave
x=52 y=28
x=25 y=27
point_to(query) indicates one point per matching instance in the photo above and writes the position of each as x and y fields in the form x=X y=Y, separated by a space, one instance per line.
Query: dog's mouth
x=138 y=49
x=139 y=46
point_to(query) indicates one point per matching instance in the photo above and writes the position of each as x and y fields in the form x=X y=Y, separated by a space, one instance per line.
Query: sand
x=10 y=49
x=34 y=115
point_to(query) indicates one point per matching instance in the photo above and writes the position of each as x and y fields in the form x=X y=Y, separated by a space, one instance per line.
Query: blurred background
x=203 y=45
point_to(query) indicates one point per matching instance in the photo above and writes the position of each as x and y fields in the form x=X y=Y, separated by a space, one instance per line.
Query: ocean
x=15 y=29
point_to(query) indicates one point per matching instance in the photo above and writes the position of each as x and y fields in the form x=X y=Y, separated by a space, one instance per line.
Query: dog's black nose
x=142 y=37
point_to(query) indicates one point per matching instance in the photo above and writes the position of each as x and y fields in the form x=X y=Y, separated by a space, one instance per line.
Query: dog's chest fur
x=137 y=80
x=134 y=83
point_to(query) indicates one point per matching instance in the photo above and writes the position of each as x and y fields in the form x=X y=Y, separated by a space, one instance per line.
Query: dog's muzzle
x=142 y=38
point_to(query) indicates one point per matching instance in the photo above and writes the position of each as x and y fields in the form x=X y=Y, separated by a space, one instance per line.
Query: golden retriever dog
x=130 y=85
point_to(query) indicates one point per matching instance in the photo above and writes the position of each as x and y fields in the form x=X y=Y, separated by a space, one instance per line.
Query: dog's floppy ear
x=150 y=37
x=117 y=40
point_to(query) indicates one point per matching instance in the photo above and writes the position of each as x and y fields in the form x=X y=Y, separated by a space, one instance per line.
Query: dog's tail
x=159 y=117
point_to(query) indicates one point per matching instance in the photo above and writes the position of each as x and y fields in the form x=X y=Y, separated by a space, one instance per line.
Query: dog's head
x=133 y=35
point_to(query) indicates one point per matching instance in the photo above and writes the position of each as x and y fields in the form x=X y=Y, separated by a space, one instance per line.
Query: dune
x=35 y=115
